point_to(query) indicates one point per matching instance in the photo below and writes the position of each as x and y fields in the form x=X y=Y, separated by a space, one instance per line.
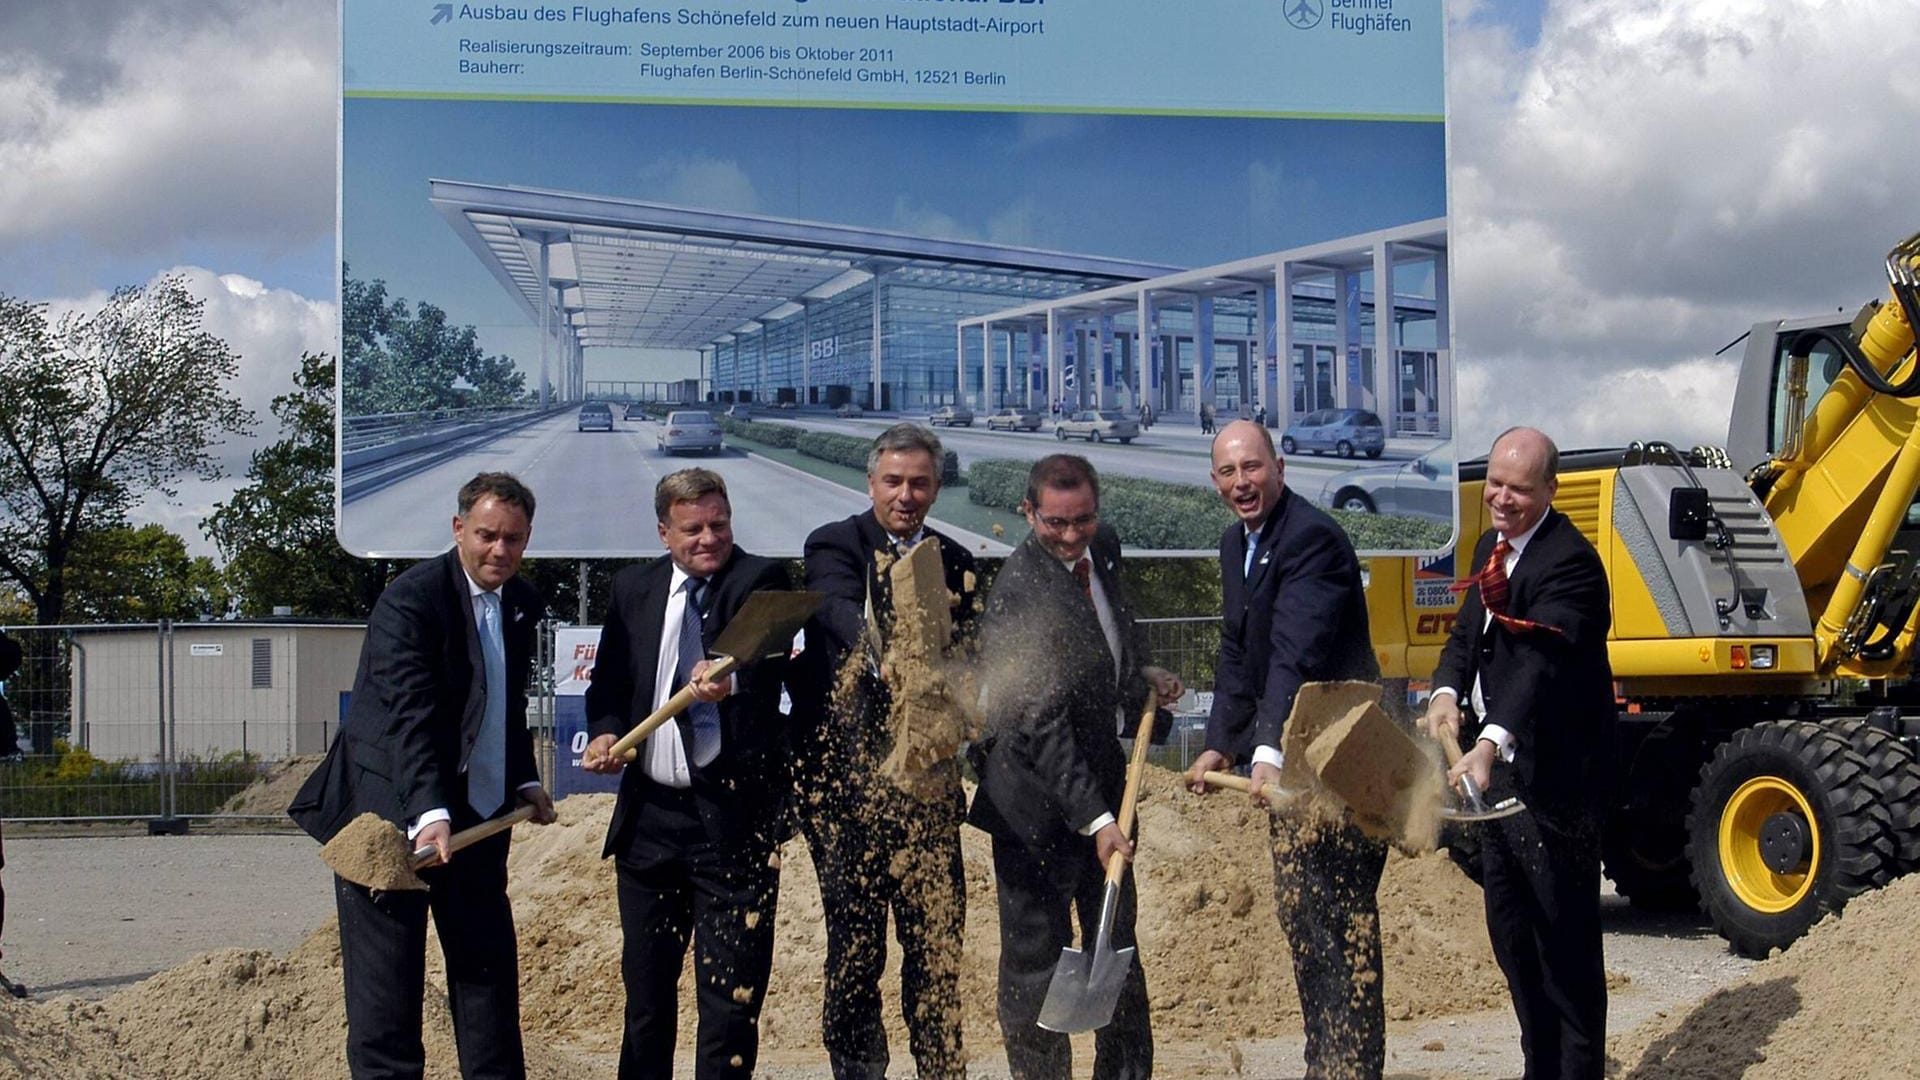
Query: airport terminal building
x=822 y=314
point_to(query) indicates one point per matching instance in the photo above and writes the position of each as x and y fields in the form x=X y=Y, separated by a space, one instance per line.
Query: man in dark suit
x=1529 y=654
x=698 y=816
x=1296 y=612
x=877 y=847
x=1050 y=765
x=435 y=740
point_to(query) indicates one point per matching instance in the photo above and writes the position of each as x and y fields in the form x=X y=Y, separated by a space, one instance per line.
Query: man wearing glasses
x=1066 y=676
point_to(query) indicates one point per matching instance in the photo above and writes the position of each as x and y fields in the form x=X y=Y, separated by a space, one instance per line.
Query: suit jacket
x=741 y=793
x=418 y=700
x=840 y=563
x=1553 y=691
x=1299 y=617
x=1050 y=761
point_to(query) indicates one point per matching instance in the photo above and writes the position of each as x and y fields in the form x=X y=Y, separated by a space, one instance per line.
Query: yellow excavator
x=1764 y=614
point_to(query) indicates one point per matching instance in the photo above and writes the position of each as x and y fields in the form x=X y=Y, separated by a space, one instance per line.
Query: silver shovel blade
x=1086 y=986
x=1473 y=806
x=1085 y=990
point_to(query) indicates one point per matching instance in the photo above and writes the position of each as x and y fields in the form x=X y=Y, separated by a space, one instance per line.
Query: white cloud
x=183 y=131
x=699 y=180
x=919 y=219
x=1649 y=179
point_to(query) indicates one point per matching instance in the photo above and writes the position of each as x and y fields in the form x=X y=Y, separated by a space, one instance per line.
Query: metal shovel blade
x=1086 y=987
x=1473 y=806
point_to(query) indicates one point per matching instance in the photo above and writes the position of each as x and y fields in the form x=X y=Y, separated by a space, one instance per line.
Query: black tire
x=1896 y=774
x=1343 y=448
x=1373 y=453
x=1287 y=445
x=1096 y=436
x=1061 y=433
x=1776 y=789
x=1125 y=441
x=1645 y=856
x=1354 y=499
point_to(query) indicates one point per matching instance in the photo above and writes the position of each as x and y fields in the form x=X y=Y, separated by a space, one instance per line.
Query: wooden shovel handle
x=1137 y=768
x=628 y=746
x=423 y=857
x=1227 y=780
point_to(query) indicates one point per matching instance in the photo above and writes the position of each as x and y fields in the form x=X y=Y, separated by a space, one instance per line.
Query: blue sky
x=1219 y=189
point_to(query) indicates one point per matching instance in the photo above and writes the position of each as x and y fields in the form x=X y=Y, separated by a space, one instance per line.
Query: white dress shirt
x=474 y=594
x=1494 y=733
x=664 y=756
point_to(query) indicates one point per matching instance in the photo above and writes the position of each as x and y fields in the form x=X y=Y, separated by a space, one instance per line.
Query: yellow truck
x=1764 y=613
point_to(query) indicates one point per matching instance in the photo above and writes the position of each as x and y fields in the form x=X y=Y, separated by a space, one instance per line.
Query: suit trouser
x=383 y=944
x=877 y=850
x=1542 y=884
x=674 y=885
x=1037 y=897
x=1326 y=876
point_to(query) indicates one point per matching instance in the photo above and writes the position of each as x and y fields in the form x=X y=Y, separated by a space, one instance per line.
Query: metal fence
x=168 y=722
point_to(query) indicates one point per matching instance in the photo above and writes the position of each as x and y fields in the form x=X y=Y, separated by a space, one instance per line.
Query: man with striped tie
x=1525 y=676
x=700 y=807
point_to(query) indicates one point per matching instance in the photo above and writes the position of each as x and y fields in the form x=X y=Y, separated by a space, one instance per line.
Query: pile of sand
x=61 y=1039
x=270 y=795
x=241 y=1013
x=1835 y=1004
x=1216 y=964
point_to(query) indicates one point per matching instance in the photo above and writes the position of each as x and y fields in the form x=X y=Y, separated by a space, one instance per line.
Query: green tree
x=96 y=412
x=127 y=574
x=400 y=360
x=276 y=533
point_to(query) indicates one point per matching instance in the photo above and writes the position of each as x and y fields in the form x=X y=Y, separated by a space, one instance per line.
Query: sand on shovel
x=932 y=714
x=1388 y=783
x=373 y=852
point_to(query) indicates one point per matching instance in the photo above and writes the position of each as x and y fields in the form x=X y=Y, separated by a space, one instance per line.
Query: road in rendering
x=595 y=488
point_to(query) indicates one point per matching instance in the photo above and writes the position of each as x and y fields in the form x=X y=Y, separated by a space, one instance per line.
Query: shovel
x=373 y=852
x=763 y=627
x=1471 y=804
x=1276 y=797
x=1085 y=988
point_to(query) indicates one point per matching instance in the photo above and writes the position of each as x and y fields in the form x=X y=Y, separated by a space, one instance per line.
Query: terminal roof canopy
x=633 y=273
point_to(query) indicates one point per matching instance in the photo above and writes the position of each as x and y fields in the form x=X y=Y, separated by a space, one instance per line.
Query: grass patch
x=73 y=783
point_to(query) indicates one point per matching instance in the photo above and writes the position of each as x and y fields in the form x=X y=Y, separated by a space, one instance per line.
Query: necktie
x=1246 y=564
x=487 y=767
x=703 y=715
x=1083 y=573
x=1492 y=580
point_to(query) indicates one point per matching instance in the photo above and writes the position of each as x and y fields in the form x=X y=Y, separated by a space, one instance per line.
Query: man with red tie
x=1051 y=767
x=1525 y=672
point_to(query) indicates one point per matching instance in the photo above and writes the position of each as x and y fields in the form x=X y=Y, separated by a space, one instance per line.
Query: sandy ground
x=89 y=916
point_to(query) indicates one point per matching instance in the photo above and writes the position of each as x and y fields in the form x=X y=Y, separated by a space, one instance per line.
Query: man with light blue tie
x=702 y=804
x=436 y=739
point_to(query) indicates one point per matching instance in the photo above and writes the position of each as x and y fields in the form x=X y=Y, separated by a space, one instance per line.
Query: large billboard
x=575 y=237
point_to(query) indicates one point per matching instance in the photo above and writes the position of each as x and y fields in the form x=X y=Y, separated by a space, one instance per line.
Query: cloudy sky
x=1634 y=182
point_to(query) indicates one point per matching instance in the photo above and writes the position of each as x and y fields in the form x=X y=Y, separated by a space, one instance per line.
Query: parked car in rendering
x=1422 y=488
x=787 y=406
x=596 y=416
x=1011 y=419
x=1097 y=427
x=846 y=409
x=1343 y=431
x=690 y=430
x=950 y=416
x=740 y=411
x=635 y=411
